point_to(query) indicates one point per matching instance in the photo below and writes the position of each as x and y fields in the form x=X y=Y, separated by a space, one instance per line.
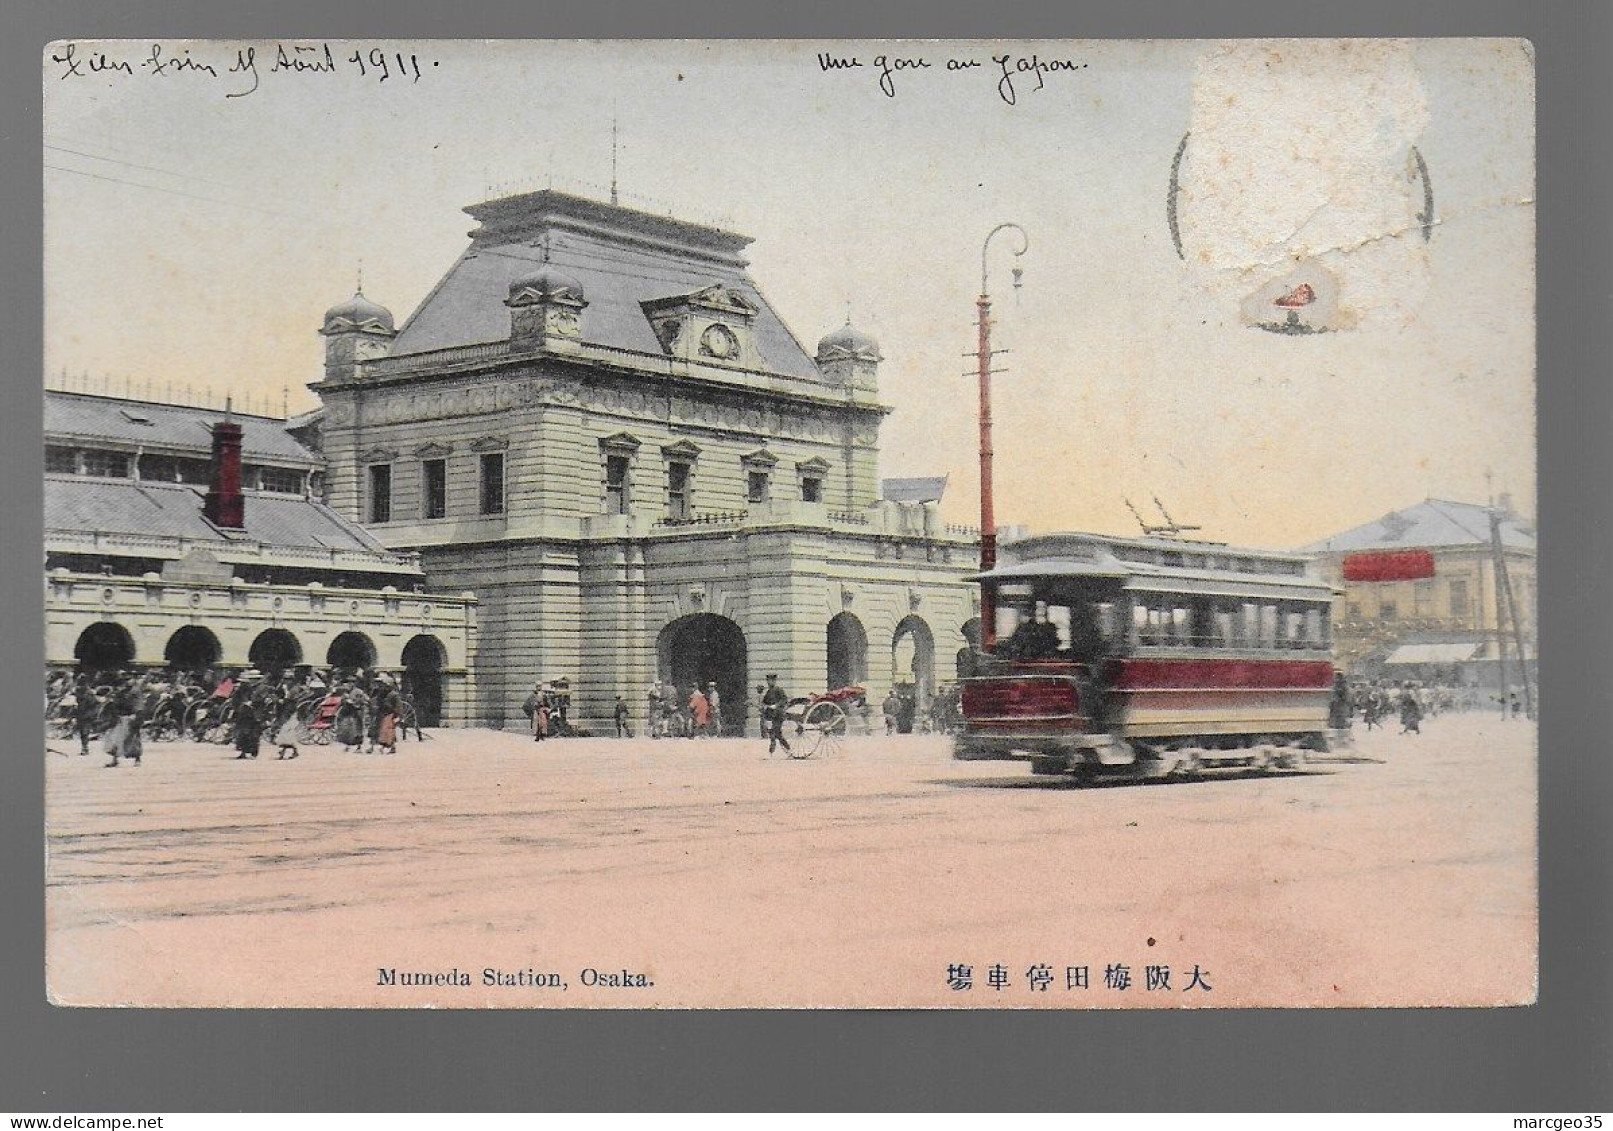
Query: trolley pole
x=988 y=513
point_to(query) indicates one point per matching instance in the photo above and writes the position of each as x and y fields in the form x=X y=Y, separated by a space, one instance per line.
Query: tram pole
x=988 y=514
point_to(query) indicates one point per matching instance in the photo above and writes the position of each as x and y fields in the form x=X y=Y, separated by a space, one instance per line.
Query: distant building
x=597 y=423
x=179 y=537
x=1420 y=598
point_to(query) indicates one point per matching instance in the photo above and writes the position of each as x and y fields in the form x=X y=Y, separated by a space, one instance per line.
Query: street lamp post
x=988 y=516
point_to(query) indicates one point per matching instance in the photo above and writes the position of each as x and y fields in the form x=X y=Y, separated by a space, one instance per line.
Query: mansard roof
x=622 y=258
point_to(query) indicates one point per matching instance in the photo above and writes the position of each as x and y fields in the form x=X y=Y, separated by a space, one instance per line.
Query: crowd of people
x=669 y=713
x=360 y=710
x=1378 y=702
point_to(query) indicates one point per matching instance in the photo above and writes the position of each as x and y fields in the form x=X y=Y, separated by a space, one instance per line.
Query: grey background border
x=1552 y=1058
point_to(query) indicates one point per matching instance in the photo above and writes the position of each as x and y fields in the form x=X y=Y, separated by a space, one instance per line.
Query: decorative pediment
x=379 y=455
x=433 y=451
x=817 y=465
x=716 y=299
x=489 y=444
x=683 y=449
x=622 y=443
x=761 y=458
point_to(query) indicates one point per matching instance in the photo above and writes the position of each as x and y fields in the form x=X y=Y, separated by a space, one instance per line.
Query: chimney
x=224 y=506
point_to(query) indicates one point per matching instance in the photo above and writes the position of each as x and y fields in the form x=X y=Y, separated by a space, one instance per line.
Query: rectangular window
x=1459 y=606
x=679 y=504
x=282 y=480
x=434 y=488
x=61 y=461
x=1268 y=626
x=380 y=492
x=493 y=483
x=1387 y=610
x=811 y=489
x=107 y=465
x=616 y=495
x=193 y=470
x=1355 y=610
x=1422 y=598
x=756 y=486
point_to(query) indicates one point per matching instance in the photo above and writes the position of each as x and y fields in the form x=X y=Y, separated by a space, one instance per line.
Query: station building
x=1420 y=594
x=597 y=424
x=180 y=537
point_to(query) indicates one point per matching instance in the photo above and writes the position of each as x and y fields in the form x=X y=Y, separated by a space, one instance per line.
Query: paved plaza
x=564 y=874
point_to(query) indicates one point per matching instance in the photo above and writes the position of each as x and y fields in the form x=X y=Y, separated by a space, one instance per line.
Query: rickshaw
x=822 y=721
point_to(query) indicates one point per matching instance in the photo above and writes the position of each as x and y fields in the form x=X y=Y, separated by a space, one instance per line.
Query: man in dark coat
x=248 y=726
x=774 y=700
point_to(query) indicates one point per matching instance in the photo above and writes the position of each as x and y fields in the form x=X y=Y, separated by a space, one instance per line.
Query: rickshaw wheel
x=823 y=728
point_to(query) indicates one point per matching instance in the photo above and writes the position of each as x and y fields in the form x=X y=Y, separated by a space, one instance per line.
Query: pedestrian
x=352 y=721
x=530 y=708
x=1411 y=712
x=248 y=727
x=699 y=712
x=287 y=730
x=123 y=740
x=653 y=710
x=774 y=700
x=86 y=709
x=1339 y=707
x=714 y=699
x=623 y=730
x=892 y=709
x=388 y=706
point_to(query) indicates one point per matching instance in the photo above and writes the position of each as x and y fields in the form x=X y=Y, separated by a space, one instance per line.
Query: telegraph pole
x=988 y=514
x=1503 y=588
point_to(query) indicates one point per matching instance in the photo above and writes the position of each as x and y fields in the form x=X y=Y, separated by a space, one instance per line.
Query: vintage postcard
x=787 y=524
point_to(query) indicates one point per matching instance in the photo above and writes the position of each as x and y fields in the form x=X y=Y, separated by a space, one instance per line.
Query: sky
x=197 y=228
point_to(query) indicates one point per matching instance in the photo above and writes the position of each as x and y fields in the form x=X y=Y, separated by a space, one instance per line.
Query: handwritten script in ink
x=1013 y=74
x=238 y=70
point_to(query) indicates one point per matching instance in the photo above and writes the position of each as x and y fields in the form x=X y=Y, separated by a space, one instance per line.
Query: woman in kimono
x=352 y=720
x=388 y=707
x=123 y=740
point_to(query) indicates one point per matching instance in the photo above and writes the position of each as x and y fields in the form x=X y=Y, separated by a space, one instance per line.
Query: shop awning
x=1433 y=653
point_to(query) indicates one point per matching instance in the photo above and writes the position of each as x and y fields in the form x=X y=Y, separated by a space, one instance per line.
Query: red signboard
x=1396 y=565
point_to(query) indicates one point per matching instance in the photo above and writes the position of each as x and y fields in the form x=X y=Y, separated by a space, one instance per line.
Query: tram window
x=1294 y=630
x=1139 y=624
x=1250 y=635
x=1313 y=626
x=1181 y=625
x=1268 y=626
x=1059 y=617
x=1107 y=625
x=1226 y=625
x=1324 y=635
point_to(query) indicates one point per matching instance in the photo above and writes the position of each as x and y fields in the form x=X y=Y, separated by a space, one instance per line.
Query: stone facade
x=639 y=471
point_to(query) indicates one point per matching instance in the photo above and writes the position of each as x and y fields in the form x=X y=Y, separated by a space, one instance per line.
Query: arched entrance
x=104 y=647
x=847 y=652
x=351 y=650
x=274 y=650
x=913 y=658
x=192 y=649
x=706 y=648
x=423 y=661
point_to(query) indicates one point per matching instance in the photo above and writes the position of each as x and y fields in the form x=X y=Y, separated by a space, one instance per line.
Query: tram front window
x=1054 y=623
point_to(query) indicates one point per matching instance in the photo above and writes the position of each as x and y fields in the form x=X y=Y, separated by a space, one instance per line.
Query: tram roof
x=1166 y=565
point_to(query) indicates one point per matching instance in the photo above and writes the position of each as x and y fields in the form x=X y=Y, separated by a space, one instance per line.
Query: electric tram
x=1148 y=657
